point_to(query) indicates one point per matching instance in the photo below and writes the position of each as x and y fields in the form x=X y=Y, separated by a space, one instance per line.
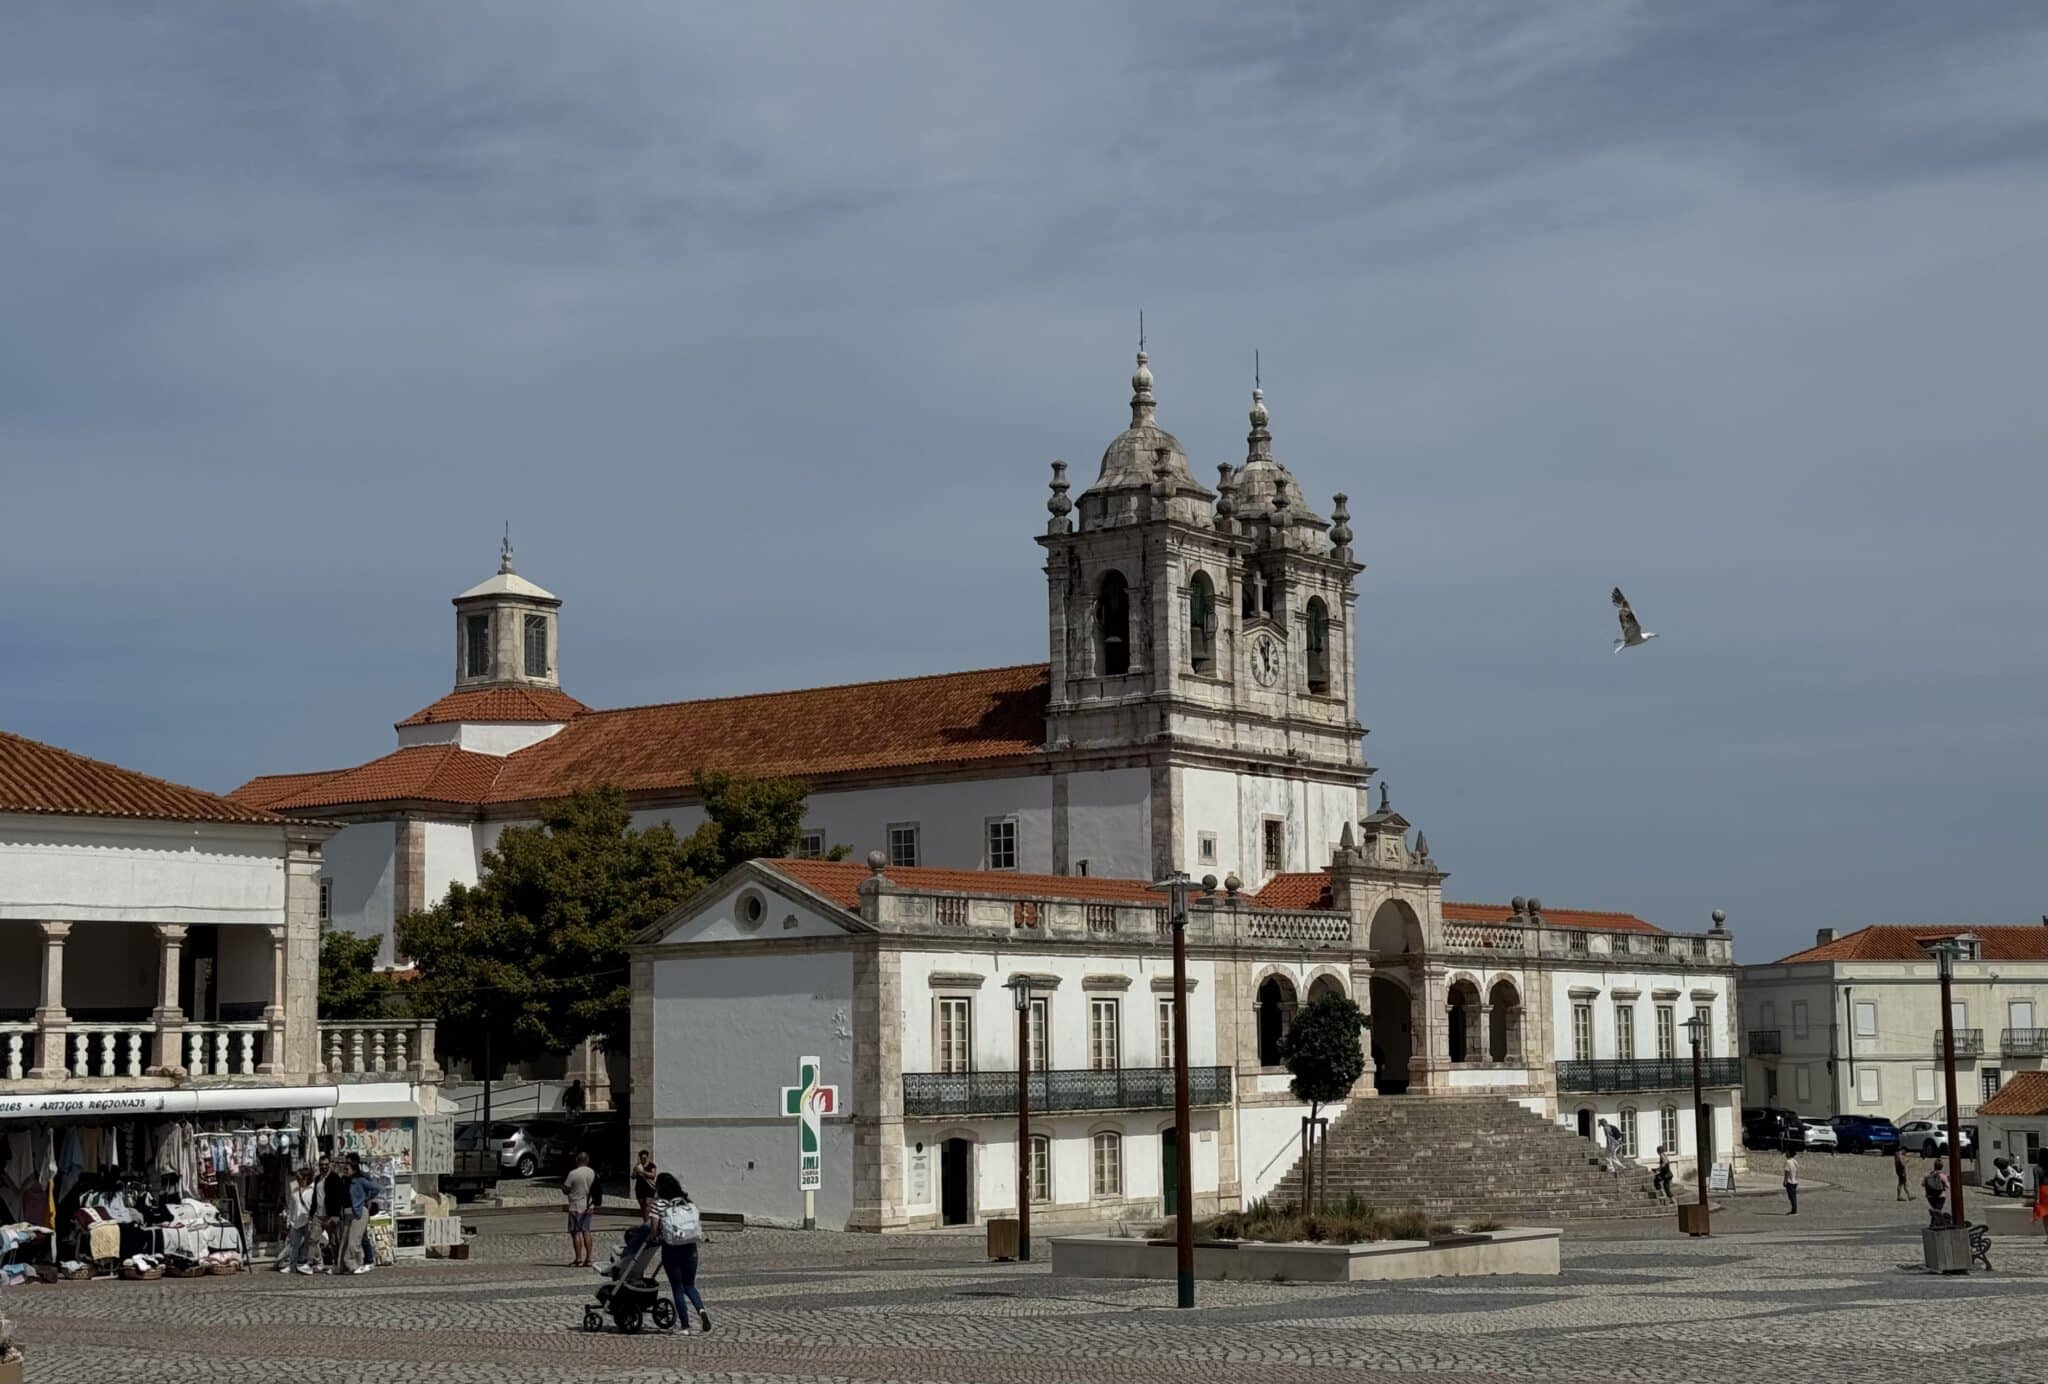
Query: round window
x=753 y=908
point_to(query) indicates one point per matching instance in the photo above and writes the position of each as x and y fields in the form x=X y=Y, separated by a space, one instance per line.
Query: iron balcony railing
x=1969 y=1042
x=1646 y=1073
x=1765 y=1042
x=2024 y=1042
x=995 y=1093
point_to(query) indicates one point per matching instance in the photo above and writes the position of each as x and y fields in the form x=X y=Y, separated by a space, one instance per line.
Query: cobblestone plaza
x=1835 y=1294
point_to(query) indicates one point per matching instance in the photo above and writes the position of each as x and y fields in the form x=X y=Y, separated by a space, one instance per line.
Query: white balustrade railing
x=1490 y=937
x=17 y=1049
x=223 y=1049
x=390 y=1048
x=109 y=1049
x=1319 y=925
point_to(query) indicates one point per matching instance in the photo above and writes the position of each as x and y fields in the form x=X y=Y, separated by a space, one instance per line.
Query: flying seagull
x=1632 y=632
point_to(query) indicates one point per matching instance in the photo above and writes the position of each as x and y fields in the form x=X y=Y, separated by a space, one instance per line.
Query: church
x=1196 y=712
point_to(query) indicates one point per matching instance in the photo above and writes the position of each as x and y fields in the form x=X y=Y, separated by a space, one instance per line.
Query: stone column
x=876 y=1085
x=168 y=1016
x=52 y=1022
x=295 y=1035
x=273 y=1012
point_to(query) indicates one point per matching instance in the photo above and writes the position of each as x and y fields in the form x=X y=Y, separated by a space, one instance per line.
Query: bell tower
x=505 y=631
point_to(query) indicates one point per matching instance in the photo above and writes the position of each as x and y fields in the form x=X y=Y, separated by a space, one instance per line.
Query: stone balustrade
x=108 y=1049
x=224 y=1049
x=17 y=1049
x=1306 y=925
x=379 y=1049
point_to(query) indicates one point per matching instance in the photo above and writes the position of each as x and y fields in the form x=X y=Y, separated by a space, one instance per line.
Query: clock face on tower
x=1266 y=660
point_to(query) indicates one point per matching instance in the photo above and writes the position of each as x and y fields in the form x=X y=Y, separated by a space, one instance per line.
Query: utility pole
x=1695 y=1029
x=1176 y=887
x=1020 y=990
x=1945 y=962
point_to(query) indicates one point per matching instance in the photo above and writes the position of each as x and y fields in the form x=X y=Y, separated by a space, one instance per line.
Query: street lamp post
x=1945 y=954
x=1020 y=990
x=1175 y=886
x=1696 y=1029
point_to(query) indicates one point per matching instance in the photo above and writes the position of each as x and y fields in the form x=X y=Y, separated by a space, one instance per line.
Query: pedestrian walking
x=1899 y=1170
x=1611 y=1137
x=644 y=1173
x=1792 y=1182
x=302 y=1237
x=576 y=1195
x=2040 y=1174
x=355 y=1231
x=676 y=1220
x=330 y=1208
x=1935 y=1185
x=1660 y=1183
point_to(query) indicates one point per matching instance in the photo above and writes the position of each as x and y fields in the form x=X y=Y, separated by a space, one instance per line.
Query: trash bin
x=1947 y=1248
x=1692 y=1218
x=1003 y=1238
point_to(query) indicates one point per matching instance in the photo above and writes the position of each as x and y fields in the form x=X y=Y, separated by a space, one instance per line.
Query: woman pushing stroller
x=673 y=1217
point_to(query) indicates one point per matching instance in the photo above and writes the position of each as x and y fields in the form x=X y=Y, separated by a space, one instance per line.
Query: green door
x=1169 y=1174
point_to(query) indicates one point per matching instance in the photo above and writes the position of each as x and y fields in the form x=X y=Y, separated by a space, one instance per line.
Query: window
x=955 y=1045
x=1667 y=1128
x=1628 y=1132
x=1867 y=1088
x=1040 y=1031
x=903 y=843
x=1923 y=1086
x=1275 y=845
x=1667 y=1032
x=810 y=844
x=1705 y=1015
x=1768 y=1015
x=1959 y=1013
x=1166 y=1033
x=1991 y=1082
x=1041 y=1168
x=1625 y=1032
x=326 y=900
x=1202 y=624
x=1802 y=1085
x=1770 y=1086
x=1102 y=1035
x=476 y=635
x=1108 y=1151
x=2019 y=1014
x=1582 y=1032
x=1113 y=625
x=1205 y=847
x=1002 y=843
x=536 y=646
x=1866 y=1019
x=1799 y=1018
x=1318 y=621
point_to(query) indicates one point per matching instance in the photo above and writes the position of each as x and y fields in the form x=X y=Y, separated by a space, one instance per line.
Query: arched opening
x=1504 y=1022
x=1324 y=984
x=1318 y=621
x=1395 y=930
x=1276 y=1011
x=1113 y=625
x=1202 y=624
x=1585 y=1123
x=1464 y=1020
x=1391 y=1035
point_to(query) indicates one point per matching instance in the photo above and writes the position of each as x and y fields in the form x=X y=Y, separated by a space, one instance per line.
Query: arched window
x=1628 y=1131
x=1107 y=1152
x=1113 y=625
x=1275 y=1012
x=1202 y=624
x=1318 y=646
x=1041 y=1168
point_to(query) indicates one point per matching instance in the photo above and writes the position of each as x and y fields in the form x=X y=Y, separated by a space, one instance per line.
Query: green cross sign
x=810 y=1101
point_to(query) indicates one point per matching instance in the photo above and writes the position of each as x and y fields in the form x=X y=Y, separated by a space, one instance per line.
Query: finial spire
x=1256 y=381
x=1141 y=331
x=1260 y=441
x=505 y=549
x=1142 y=402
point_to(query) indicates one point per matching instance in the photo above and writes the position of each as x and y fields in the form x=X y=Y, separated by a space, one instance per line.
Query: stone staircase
x=1461 y=1158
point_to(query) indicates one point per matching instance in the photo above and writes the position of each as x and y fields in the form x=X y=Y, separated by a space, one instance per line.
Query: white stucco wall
x=78 y=869
x=1235 y=807
x=484 y=737
x=358 y=863
x=1109 y=823
x=451 y=857
x=1269 y=1142
x=1724 y=1041
x=729 y=1034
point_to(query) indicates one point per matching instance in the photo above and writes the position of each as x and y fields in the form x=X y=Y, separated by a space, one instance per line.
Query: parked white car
x=1820 y=1135
x=1927 y=1138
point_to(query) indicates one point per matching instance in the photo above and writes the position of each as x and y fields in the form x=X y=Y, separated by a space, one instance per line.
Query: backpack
x=1933 y=1185
x=680 y=1224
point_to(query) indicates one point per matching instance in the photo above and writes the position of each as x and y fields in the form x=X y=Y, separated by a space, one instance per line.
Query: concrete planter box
x=1514 y=1251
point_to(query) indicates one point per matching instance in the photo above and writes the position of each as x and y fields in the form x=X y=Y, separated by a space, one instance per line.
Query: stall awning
x=144 y=1105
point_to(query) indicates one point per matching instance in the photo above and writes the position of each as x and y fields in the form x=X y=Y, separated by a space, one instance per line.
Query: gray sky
x=761 y=324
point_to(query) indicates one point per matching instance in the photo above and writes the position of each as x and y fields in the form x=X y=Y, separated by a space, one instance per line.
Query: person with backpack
x=674 y=1217
x=1935 y=1185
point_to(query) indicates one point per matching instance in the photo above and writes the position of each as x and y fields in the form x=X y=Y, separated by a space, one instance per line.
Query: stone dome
x=1132 y=454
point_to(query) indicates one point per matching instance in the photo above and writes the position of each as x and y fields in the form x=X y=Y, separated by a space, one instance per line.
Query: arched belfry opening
x=1113 y=624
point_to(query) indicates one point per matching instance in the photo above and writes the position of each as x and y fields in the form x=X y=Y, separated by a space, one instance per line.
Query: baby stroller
x=630 y=1291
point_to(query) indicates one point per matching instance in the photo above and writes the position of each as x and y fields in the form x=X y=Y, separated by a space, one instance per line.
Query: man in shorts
x=576 y=1189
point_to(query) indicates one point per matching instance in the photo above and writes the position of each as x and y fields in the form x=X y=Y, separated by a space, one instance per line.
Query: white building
x=1852 y=1025
x=897 y=978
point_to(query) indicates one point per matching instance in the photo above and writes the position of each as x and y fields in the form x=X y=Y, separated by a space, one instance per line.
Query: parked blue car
x=1861 y=1133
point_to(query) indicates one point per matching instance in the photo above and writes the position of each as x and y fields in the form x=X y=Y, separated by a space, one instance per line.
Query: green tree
x=1321 y=1049
x=351 y=986
x=531 y=959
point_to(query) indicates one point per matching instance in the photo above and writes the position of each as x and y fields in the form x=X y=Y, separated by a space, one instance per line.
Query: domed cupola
x=1264 y=490
x=1142 y=462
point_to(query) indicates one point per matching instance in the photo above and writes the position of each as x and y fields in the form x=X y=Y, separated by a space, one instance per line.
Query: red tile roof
x=2024 y=1093
x=40 y=778
x=421 y=773
x=268 y=790
x=1885 y=942
x=1313 y=891
x=839 y=881
x=530 y=704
